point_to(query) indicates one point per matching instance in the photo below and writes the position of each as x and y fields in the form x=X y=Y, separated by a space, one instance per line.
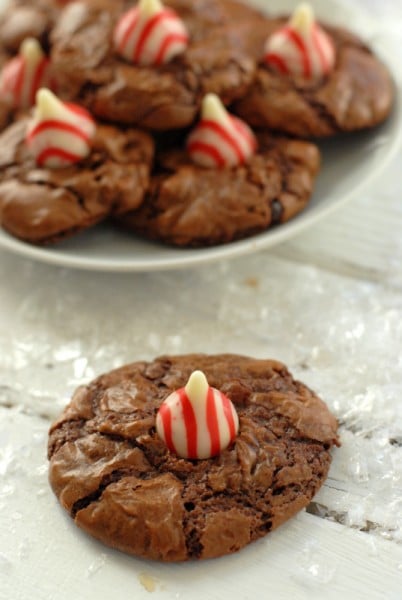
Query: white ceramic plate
x=350 y=164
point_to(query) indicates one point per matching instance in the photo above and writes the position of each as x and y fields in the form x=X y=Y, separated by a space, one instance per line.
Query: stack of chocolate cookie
x=147 y=74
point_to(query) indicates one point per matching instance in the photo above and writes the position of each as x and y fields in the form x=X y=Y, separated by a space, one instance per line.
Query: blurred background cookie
x=90 y=50
x=313 y=81
x=61 y=173
x=212 y=192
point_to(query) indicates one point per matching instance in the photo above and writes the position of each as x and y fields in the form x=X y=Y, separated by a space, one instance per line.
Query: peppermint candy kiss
x=301 y=48
x=60 y=134
x=150 y=34
x=197 y=421
x=220 y=139
x=23 y=75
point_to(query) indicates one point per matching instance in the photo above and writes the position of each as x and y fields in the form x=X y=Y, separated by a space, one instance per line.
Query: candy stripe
x=38 y=77
x=146 y=32
x=148 y=39
x=209 y=150
x=301 y=48
x=170 y=39
x=19 y=82
x=166 y=416
x=197 y=421
x=278 y=62
x=318 y=44
x=59 y=135
x=223 y=133
x=60 y=126
x=78 y=110
x=245 y=133
x=7 y=83
x=219 y=139
x=190 y=424
x=48 y=153
x=130 y=27
x=299 y=43
x=228 y=410
x=25 y=74
x=212 y=423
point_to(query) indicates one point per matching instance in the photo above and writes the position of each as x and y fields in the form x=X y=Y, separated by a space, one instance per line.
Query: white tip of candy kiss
x=150 y=34
x=31 y=50
x=150 y=7
x=303 y=18
x=197 y=421
x=23 y=75
x=301 y=48
x=213 y=109
x=60 y=134
x=220 y=139
x=49 y=106
x=197 y=386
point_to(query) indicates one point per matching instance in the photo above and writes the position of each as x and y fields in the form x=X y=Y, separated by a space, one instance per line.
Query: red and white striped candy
x=150 y=34
x=220 y=139
x=60 y=133
x=25 y=74
x=197 y=421
x=301 y=48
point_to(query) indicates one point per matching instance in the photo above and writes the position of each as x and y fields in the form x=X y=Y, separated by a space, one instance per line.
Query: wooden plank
x=312 y=320
x=360 y=240
x=44 y=556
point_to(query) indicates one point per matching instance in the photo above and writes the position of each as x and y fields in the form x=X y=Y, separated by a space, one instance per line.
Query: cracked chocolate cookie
x=188 y=205
x=116 y=478
x=357 y=94
x=168 y=96
x=42 y=205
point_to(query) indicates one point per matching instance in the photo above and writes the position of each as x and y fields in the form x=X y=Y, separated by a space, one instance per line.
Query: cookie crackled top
x=221 y=201
x=119 y=481
x=313 y=79
x=158 y=92
x=60 y=172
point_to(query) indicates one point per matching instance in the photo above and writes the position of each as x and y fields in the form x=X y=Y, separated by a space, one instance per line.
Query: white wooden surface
x=328 y=303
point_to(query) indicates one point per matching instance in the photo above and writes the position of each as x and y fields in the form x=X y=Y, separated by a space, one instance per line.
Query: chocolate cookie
x=118 y=481
x=358 y=93
x=41 y=206
x=20 y=20
x=188 y=205
x=160 y=98
x=23 y=19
